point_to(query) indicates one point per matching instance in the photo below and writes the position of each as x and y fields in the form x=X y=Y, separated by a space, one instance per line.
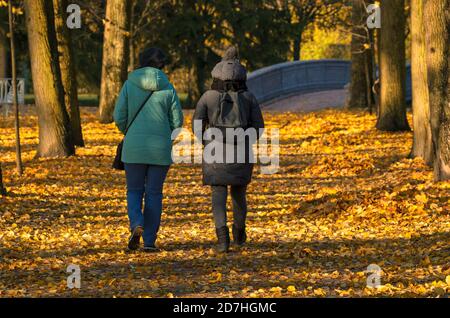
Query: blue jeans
x=145 y=181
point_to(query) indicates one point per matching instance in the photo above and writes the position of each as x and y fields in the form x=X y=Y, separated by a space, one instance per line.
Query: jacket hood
x=149 y=79
x=230 y=69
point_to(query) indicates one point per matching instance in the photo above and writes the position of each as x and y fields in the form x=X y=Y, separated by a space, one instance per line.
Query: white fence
x=6 y=93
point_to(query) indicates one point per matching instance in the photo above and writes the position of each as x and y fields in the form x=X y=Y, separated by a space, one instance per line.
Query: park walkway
x=345 y=197
x=309 y=102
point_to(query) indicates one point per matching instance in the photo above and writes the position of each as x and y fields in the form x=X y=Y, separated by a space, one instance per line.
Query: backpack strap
x=137 y=113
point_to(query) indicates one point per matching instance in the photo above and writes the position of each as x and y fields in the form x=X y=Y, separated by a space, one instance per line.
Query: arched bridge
x=288 y=79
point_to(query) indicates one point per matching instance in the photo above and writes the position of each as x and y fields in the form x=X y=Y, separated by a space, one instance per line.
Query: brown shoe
x=135 y=238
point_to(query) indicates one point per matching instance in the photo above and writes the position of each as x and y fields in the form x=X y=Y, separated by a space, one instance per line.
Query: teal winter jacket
x=148 y=140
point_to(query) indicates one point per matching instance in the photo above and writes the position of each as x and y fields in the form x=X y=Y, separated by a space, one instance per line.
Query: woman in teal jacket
x=147 y=147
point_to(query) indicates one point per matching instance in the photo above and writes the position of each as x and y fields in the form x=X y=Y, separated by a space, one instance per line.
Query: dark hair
x=225 y=86
x=152 y=57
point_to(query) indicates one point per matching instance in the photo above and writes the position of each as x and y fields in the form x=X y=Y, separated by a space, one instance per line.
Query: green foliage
x=263 y=38
x=88 y=44
x=195 y=33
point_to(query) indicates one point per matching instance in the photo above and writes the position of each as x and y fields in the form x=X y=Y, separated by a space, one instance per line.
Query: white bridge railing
x=6 y=93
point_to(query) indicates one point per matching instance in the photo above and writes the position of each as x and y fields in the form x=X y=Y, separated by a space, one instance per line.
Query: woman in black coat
x=229 y=83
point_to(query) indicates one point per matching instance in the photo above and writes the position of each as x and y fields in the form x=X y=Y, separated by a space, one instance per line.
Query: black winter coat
x=228 y=173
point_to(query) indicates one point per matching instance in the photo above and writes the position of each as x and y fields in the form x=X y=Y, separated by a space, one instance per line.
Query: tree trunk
x=377 y=71
x=392 y=112
x=2 y=188
x=298 y=45
x=68 y=74
x=437 y=39
x=197 y=74
x=115 y=56
x=19 y=165
x=55 y=138
x=3 y=55
x=358 y=88
x=200 y=78
x=370 y=72
x=132 y=58
x=422 y=145
x=131 y=40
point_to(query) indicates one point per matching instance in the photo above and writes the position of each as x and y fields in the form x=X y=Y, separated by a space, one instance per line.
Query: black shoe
x=135 y=238
x=223 y=239
x=239 y=236
x=151 y=249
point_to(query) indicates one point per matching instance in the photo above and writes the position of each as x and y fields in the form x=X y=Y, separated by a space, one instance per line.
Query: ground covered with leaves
x=346 y=196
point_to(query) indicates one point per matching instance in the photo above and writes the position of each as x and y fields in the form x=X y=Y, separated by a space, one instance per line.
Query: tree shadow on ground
x=258 y=260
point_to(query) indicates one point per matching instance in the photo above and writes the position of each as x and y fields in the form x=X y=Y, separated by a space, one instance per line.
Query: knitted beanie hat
x=230 y=69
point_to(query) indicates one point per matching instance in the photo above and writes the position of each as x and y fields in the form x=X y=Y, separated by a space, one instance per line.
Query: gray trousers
x=219 y=205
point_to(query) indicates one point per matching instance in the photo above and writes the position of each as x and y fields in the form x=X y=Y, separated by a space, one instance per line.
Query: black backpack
x=231 y=113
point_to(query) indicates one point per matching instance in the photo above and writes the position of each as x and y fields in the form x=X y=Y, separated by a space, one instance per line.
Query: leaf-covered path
x=346 y=196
